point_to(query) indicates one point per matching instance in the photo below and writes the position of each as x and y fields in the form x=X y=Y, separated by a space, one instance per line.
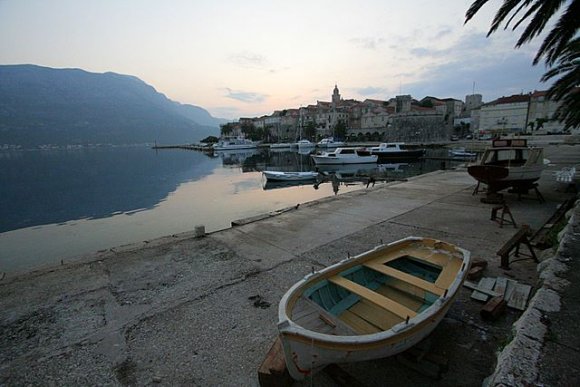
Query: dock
x=187 y=309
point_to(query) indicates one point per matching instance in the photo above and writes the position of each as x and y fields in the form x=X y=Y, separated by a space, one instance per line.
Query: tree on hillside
x=227 y=129
x=340 y=130
x=309 y=131
x=560 y=50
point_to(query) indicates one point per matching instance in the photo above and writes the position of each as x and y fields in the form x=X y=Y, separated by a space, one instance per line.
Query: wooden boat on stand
x=374 y=305
x=509 y=163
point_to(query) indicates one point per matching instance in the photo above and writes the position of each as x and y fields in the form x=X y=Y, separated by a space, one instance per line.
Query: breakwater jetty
x=181 y=310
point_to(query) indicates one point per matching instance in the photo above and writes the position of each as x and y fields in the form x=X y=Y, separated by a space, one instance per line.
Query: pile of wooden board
x=515 y=294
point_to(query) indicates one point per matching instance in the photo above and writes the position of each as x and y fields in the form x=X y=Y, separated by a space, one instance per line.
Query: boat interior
x=377 y=294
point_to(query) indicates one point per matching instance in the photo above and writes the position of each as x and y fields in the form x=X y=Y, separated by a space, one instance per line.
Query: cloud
x=422 y=52
x=443 y=32
x=248 y=59
x=252 y=60
x=368 y=43
x=497 y=75
x=246 y=96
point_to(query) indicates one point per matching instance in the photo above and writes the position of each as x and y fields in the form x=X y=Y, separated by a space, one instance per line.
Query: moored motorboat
x=374 y=305
x=396 y=150
x=329 y=142
x=233 y=143
x=509 y=163
x=281 y=145
x=304 y=144
x=345 y=156
x=289 y=176
x=461 y=153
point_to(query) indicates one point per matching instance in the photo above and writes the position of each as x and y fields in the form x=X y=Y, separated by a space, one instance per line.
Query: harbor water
x=61 y=204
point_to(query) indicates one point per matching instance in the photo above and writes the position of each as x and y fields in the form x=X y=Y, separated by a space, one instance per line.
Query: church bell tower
x=335 y=97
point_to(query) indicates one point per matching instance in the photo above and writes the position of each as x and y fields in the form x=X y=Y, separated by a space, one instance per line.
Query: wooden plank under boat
x=374 y=305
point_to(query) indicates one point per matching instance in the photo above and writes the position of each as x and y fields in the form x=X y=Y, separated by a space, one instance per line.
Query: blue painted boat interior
x=416 y=268
x=335 y=299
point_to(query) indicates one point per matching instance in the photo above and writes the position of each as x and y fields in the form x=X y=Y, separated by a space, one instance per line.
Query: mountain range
x=42 y=105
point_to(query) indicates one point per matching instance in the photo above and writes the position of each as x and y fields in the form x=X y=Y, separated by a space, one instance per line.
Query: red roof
x=540 y=93
x=511 y=99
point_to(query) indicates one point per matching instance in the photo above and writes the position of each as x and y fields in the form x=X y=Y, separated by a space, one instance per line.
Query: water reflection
x=60 y=204
x=245 y=158
x=44 y=187
x=350 y=174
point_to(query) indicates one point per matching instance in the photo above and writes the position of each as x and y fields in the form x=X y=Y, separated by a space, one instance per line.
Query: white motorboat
x=329 y=143
x=305 y=144
x=461 y=153
x=345 y=156
x=281 y=145
x=374 y=305
x=289 y=176
x=232 y=143
x=509 y=163
x=396 y=150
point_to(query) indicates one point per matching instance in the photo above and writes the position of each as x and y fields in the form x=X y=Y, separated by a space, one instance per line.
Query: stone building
x=540 y=114
x=398 y=119
x=505 y=114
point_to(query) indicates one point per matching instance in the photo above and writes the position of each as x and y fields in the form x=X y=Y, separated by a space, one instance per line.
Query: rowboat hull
x=309 y=344
x=289 y=176
x=319 y=354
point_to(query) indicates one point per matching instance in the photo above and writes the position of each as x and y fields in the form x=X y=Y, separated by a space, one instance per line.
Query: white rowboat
x=374 y=305
x=289 y=176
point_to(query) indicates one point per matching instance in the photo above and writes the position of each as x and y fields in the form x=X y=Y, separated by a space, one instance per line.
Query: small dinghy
x=289 y=176
x=374 y=305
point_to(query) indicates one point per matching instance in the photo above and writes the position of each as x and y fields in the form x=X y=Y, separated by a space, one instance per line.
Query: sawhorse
x=515 y=241
x=504 y=210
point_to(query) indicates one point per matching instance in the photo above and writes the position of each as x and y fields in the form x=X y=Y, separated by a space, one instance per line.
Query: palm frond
x=530 y=11
x=507 y=7
x=473 y=9
x=566 y=88
x=542 y=16
x=560 y=48
x=565 y=29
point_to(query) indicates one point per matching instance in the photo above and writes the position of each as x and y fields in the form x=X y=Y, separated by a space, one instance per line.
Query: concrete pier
x=180 y=310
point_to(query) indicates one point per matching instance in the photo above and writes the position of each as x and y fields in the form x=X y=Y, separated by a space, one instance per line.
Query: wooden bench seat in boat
x=418 y=282
x=448 y=265
x=373 y=297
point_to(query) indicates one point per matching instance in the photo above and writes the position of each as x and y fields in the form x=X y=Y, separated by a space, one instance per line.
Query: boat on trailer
x=374 y=305
x=509 y=163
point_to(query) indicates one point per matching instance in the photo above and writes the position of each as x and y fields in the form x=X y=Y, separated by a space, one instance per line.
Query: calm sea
x=61 y=204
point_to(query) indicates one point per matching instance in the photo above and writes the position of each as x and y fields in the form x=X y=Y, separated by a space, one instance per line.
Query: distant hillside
x=41 y=105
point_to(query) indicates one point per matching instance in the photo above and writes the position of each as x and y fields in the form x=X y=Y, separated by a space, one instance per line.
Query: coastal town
x=404 y=118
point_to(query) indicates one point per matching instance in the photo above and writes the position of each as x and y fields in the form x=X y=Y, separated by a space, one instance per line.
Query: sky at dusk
x=249 y=58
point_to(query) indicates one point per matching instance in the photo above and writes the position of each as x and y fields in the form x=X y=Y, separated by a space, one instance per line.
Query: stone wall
x=410 y=128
